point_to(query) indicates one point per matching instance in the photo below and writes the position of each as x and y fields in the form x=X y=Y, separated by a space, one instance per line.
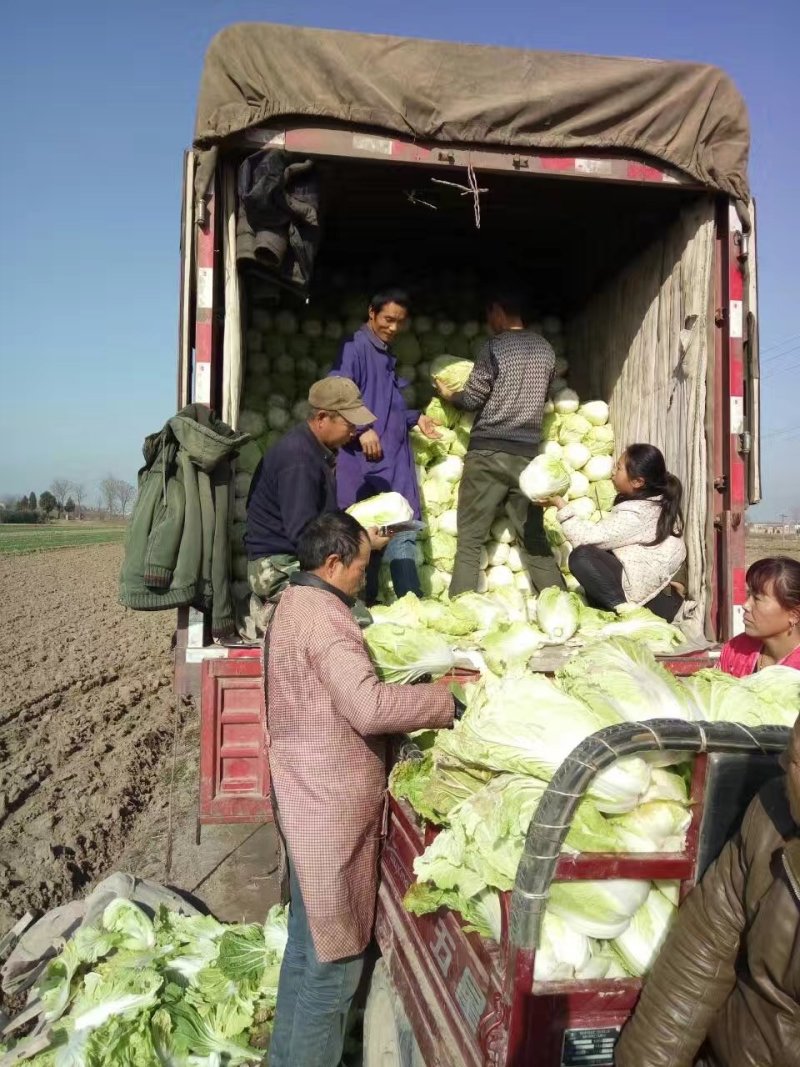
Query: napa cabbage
x=404 y=654
x=436 y=495
x=639 y=944
x=621 y=678
x=481 y=913
x=497 y=553
x=603 y=493
x=451 y=618
x=573 y=428
x=583 y=507
x=655 y=826
x=448 y=522
x=552 y=449
x=566 y=401
x=508 y=648
x=578 y=485
x=381 y=510
x=485 y=610
x=563 y=952
x=252 y=422
x=596 y=411
x=514 y=561
x=769 y=697
x=451 y=371
x=599 y=440
x=598 y=909
x=448 y=469
x=527 y=725
x=502 y=531
x=544 y=478
x=558 y=614
x=599 y=468
x=576 y=455
x=552 y=528
x=442 y=547
x=499 y=577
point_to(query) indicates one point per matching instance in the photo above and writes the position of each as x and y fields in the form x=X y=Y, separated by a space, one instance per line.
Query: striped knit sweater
x=508 y=388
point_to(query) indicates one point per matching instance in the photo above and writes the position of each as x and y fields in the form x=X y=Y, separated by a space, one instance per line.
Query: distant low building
x=774 y=529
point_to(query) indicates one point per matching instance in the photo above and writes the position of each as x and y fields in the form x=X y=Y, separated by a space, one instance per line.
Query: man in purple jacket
x=380 y=459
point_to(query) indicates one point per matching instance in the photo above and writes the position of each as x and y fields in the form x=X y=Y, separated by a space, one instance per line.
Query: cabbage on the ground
x=174 y=989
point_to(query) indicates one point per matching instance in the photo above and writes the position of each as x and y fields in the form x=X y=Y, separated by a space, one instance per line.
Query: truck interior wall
x=628 y=268
x=642 y=342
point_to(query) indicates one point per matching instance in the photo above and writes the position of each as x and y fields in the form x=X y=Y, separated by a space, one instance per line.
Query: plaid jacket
x=326 y=718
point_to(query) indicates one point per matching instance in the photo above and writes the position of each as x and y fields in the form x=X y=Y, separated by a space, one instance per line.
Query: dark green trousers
x=490 y=483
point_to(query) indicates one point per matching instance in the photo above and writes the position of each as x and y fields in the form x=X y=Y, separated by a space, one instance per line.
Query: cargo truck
x=616 y=192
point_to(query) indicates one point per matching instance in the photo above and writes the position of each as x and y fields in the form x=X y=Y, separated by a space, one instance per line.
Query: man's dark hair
x=512 y=302
x=389 y=296
x=333 y=534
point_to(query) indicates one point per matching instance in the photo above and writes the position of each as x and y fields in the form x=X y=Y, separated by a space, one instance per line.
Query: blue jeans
x=313 y=998
x=401 y=555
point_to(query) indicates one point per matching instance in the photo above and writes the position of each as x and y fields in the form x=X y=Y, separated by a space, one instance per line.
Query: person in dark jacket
x=295 y=483
x=508 y=389
x=729 y=972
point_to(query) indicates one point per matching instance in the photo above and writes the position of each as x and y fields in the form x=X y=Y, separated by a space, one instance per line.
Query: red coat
x=739 y=656
x=327 y=712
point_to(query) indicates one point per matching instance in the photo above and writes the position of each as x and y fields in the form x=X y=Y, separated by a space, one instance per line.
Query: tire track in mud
x=87 y=716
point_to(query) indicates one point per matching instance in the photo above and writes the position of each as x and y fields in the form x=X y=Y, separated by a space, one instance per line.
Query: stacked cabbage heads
x=482 y=781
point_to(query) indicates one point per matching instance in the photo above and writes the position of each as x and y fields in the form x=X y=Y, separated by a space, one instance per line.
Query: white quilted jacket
x=626 y=531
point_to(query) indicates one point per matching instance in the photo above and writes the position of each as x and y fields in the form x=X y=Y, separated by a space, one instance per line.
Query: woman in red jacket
x=771 y=620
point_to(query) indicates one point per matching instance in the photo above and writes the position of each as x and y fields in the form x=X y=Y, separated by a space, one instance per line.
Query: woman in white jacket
x=634 y=552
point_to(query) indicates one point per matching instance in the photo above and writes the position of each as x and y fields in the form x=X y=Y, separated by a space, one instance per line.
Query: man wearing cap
x=295 y=482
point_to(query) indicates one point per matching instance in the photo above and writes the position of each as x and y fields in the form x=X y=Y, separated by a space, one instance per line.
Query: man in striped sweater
x=508 y=389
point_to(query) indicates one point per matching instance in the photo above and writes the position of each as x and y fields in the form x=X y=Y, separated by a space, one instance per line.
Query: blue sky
x=98 y=104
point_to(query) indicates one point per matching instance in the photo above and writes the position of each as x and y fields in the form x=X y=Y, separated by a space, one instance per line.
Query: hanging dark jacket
x=176 y=547
x=729 y=972
x=277 y=228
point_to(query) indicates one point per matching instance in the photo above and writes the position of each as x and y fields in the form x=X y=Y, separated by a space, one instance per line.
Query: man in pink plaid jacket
x=327 y=717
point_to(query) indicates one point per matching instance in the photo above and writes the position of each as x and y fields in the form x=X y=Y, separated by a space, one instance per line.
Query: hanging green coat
x=176 y=548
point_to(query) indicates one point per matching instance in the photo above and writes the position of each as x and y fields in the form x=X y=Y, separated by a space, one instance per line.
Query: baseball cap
x=341 y=395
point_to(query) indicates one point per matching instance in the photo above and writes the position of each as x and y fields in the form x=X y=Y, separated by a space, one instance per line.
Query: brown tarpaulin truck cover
x=688 y=115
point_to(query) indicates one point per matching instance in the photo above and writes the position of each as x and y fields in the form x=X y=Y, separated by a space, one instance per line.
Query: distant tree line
x=69 y=500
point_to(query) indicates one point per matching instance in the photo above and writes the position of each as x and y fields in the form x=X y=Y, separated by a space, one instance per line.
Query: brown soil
x=761 y=545
x=87 y=721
